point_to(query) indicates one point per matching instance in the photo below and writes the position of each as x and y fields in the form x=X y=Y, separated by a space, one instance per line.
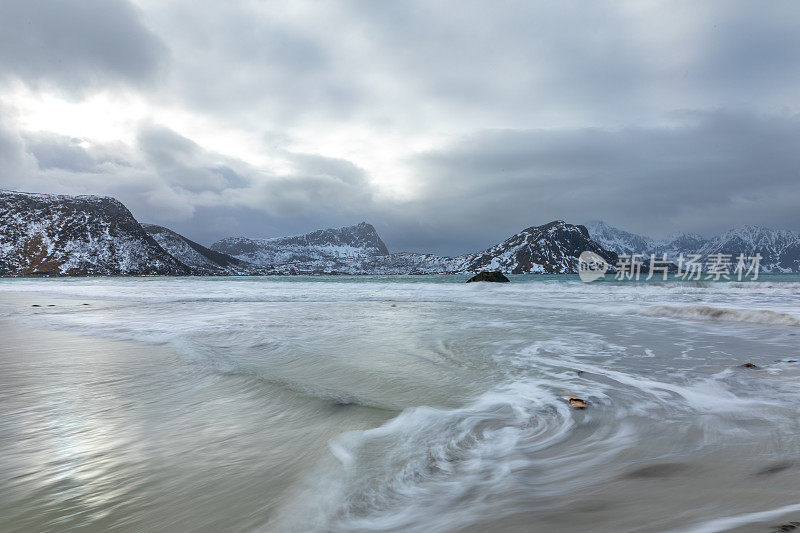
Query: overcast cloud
x=448 y=125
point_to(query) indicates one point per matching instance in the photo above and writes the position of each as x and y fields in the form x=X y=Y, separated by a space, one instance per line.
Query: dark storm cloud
x=708 y=172
x=76 y=45
x=246 y=63
x=12 y=148
x=181 y=163
x=313 y=184
x=59 y=151
x=655 y=117
x=511 y=64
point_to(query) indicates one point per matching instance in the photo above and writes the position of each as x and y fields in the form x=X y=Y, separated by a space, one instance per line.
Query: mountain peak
x=551 y=248
x=331 y=244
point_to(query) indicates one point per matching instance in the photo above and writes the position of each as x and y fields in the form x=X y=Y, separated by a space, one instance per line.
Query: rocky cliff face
x=340 y=246
x=201 y=260
x=52 y=235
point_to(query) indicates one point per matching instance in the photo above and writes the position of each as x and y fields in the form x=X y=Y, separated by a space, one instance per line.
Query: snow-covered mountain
x=681 y=243
x=51 y=235
x=549 y=249
x=200 y=259
x=44 y=234
x=337 y=247
x=617 y=240
x=779 y=249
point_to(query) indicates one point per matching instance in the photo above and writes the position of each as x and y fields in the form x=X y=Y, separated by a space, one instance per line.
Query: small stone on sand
x=576 y=403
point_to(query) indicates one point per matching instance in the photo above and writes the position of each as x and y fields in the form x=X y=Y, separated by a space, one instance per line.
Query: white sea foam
x=468 y=382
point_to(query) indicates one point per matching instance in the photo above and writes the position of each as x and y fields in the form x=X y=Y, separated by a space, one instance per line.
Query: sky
x=449 y=125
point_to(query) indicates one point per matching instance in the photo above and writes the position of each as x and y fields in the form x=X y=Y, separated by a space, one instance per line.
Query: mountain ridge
x=61 y=235
x=779 y=249
x=196 y=256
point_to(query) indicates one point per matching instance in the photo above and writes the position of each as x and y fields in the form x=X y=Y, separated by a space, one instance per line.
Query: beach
x=398 y=403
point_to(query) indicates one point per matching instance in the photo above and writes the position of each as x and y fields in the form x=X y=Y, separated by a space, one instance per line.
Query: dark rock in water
x=495 y=277
x=748 y=365
x=790 y=526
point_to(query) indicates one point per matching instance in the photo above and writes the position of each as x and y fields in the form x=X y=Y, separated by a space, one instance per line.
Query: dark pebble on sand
x=775 y=468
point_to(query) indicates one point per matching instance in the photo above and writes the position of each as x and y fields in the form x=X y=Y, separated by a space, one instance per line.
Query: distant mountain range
x=779 y=249
x=549 y=249
x=53 y=235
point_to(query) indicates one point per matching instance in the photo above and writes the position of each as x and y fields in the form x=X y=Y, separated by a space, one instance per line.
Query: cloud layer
x=448 y=125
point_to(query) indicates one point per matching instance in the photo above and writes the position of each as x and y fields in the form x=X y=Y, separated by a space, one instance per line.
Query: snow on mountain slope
x=200 y=259
x=548 y=249
x=619 y=241
x=88 y=235
x=340 y=245
x=393 y=264
x=55 y=235
x=682 y=243
x=778 y=248
x=789 y=260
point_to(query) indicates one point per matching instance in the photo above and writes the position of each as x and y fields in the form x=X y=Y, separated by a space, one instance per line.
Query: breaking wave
x=705 y=312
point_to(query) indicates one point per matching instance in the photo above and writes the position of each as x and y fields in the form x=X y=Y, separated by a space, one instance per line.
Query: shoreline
x=89 y=421
x=121 y=424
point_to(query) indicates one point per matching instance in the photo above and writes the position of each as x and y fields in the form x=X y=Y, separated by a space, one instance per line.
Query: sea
x=399 y=403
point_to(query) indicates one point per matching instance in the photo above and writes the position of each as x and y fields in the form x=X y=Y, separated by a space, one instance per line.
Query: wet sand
x=98 y=433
